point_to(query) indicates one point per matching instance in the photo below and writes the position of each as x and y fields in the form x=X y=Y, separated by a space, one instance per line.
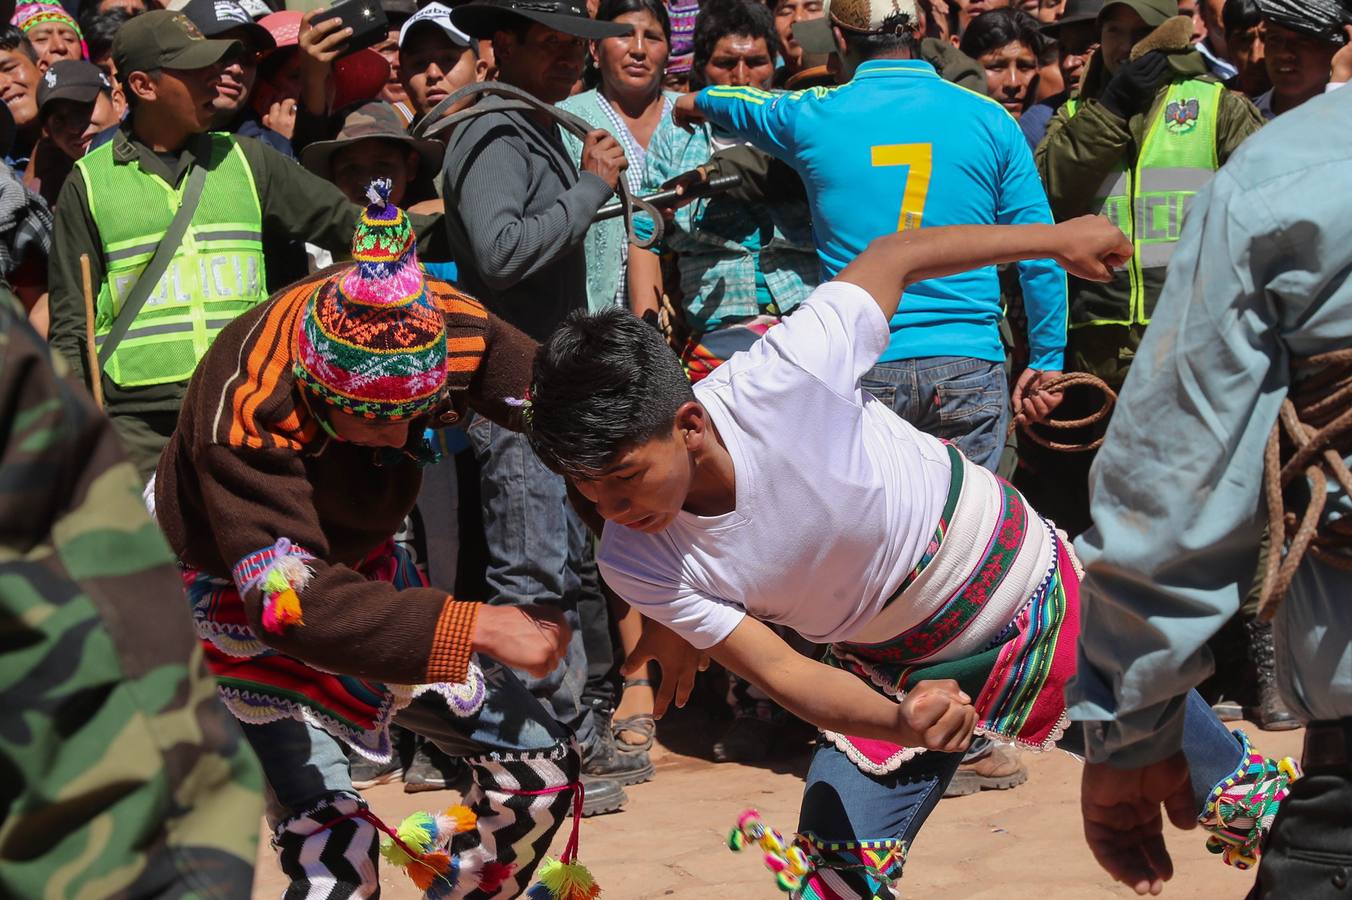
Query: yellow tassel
x=568 y=881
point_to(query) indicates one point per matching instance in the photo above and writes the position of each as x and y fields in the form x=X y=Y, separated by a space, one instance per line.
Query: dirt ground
x=1023 y=844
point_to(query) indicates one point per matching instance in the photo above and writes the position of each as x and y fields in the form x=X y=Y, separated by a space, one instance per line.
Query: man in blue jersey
x=896 y=147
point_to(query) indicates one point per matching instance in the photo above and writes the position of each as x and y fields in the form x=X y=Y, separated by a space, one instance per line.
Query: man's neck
x=713 y=489
x=159 y=136
x=1285 y=102
x=539 y=117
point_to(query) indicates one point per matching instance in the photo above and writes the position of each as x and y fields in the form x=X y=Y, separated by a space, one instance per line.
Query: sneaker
x=603 y=760
x=432 y=770
x=602 y=795
x=367 y=774
x=748 y=739
x=999 y=770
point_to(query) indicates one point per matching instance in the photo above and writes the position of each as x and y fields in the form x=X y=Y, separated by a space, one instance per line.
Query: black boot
x=1271 y=713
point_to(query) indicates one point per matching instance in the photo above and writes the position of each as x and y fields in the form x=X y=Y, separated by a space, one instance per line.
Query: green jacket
x=1080 y=151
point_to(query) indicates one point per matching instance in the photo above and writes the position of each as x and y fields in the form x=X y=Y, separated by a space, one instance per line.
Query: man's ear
x=142 y=85
x=692 y=424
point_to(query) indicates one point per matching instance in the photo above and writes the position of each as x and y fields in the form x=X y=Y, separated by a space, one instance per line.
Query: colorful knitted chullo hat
x=30 y=15
x=372 y=341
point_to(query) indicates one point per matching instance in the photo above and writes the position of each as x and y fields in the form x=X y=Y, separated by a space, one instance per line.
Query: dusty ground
x=1023 y=844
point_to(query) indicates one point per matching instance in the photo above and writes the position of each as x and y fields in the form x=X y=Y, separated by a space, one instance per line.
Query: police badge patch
x=1180 y=116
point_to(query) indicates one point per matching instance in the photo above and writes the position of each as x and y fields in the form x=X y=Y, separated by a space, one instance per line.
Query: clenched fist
x=531 y=638
x=938 y=716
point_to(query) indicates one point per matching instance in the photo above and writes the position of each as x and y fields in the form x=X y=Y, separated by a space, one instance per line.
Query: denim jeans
x=538 y=550
x=303 y=764
x=956 y=398
x=841 y=803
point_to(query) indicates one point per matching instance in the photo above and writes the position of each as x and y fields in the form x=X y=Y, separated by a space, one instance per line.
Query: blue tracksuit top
x=900 y=147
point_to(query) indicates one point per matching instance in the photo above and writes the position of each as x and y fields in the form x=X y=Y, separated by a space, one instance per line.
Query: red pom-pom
x=493 y=875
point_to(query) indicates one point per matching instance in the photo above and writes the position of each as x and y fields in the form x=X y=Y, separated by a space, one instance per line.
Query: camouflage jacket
x=121 y=775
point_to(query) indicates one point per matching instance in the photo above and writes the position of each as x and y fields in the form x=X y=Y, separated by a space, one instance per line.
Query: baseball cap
x=858 y=16
x=1154 y=12
x=373 y=119
x=161 y=39
x=1075 y=11
x=216 y=17
x=482 y=19
x=72 y=79
x=440 y=16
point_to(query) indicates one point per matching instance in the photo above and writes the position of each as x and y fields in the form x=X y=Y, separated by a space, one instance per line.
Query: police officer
x=120 y=202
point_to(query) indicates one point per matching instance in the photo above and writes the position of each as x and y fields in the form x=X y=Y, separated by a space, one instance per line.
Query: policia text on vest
x=1148 y=201
x=216 y=274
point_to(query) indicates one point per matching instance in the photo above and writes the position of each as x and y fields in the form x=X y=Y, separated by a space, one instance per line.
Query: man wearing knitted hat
x=51 y=30
x=296 y=458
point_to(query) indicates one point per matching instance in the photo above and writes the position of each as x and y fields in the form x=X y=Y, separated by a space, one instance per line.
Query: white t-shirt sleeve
x=836 y=335
x=648 y=579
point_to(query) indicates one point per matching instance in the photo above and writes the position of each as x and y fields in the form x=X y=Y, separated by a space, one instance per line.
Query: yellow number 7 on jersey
x=918 y=158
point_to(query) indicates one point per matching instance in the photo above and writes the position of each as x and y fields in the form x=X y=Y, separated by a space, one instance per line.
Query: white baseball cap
x=439 y=15
x=858 y=16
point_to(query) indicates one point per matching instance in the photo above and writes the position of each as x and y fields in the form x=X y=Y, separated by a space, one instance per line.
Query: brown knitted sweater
x=249 y=464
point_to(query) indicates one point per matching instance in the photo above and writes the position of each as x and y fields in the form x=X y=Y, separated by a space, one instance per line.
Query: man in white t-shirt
x=777 y=490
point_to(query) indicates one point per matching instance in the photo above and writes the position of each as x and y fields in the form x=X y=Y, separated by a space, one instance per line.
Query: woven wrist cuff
x=453 y=642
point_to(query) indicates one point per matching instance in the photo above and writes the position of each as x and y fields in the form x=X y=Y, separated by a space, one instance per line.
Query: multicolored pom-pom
x=559 y=880
x=787 y=860
x=280 y=586
x=422 y=851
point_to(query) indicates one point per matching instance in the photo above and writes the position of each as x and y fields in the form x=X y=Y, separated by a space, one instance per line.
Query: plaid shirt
x=710 y=236
x=25 y=224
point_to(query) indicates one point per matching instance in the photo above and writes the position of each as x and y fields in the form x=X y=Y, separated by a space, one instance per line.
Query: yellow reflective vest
x=216 y=274
x=1148 y=200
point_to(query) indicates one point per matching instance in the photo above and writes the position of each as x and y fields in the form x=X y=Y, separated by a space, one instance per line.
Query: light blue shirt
x=1260 y=275
x=899 y=146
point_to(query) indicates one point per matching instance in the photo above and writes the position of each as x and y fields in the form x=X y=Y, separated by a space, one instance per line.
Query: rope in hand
x=1314 y=427
x=436 y=121
x=1058 y=385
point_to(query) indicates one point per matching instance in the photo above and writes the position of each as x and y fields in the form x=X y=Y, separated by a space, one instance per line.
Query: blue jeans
x=841 y=803
x=956 y=398
x=537 y=551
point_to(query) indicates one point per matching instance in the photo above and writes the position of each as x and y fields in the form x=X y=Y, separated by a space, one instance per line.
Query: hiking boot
x=367 y=774
x=1271 y=713
x=749 y=739
x=432 y=770
x=603 y=760
x=998 y=770
x=601 y=795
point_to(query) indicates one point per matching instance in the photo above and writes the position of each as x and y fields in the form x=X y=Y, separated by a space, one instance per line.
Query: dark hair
x=13 y=38
x=1240 y=15
x=99 y=29
x=720 y=18
x=894 y=36
x=993 y=30
x=603 y=383
x=610 y=10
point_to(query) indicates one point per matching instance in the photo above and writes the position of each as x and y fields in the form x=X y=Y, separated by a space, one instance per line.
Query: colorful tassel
x=280 y=573
x=418 y=849
x=787 y=860
x=564 y=881
x=493 y=875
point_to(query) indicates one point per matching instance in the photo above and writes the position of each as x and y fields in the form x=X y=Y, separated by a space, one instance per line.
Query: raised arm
x=1089 y=247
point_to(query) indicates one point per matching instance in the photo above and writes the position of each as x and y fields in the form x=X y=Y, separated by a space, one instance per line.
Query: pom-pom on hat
x=372 y=341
